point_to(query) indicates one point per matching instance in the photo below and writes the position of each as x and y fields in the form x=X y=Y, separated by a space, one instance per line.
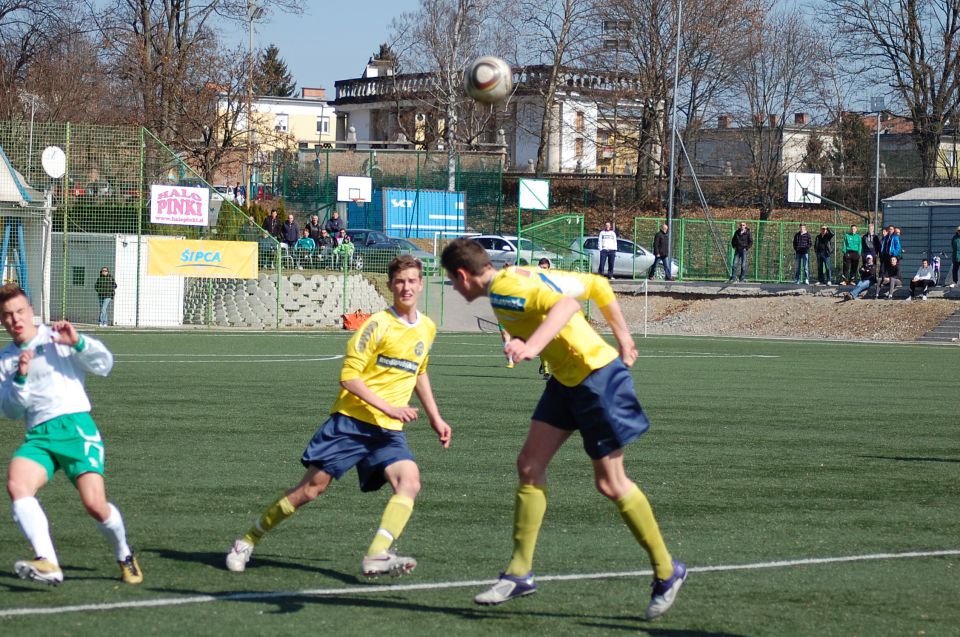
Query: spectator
x=889 y=248
x=267 y=250
x=661 y=246
x=742 y=241
x=290 y=231
x=801 y=246
x=304 y=249
x=852 y=245
x=105 y=288
x=823 y=247
x=607 y=241
x=334 y=224
x=868 y=277
x=891 y=278
x=325 y=246
x=544 y=263
x=343 y=253
x=955 y=249
x=273 y=226
x=870 y=243
x=239 y=194
x=340 y=237
x=315 y=229
x=922 y=280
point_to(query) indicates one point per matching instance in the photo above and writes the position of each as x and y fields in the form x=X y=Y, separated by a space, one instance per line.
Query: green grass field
x=760 y=453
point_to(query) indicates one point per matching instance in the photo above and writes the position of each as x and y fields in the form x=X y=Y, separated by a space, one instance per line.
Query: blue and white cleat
x=507 y=588
x=665 y=591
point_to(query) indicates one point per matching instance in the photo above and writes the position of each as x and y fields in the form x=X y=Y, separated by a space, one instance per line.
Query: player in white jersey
x=41 y=381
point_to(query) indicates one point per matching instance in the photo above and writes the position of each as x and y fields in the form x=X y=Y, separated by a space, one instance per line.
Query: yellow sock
x=531 y=505
x=636 y=512
x=274 y=515
x=395 y=517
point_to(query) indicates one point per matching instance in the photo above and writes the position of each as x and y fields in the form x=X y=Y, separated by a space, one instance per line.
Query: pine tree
x=270 y=76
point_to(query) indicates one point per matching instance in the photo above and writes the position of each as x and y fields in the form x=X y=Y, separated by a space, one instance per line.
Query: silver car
x=508 y=250
x=632 y=260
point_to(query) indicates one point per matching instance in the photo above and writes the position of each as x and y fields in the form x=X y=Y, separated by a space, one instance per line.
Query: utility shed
x=929 y=218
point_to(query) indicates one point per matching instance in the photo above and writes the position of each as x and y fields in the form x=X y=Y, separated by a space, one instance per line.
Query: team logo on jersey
x=365 y=336
x=418 y=349
x=503 y=302
x=398 y=363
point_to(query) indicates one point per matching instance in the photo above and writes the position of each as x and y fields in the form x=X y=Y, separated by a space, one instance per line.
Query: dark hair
x=402 y=262
x=10 y=291
x=465 y=254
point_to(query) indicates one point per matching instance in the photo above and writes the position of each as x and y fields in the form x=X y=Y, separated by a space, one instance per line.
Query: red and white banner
x=179 y=205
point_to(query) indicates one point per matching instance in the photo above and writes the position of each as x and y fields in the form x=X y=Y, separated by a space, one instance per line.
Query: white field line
x=297 y=358
x=367 y=590
x=215 y=358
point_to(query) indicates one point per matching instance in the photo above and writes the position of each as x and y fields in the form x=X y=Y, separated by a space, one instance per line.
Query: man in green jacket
x=852 y=244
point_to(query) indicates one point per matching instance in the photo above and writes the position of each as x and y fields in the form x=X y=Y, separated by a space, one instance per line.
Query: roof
x=927 y=195
x=14 y=188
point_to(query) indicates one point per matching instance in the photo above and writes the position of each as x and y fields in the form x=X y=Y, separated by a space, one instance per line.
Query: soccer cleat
x=239 y=555
x=130 y=571
x=665 y=591
x=507 y=588
x=387 y=563
x=39 y=570
x=923 y=297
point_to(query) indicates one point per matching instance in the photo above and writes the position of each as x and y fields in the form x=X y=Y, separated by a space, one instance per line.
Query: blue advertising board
x=420 y=214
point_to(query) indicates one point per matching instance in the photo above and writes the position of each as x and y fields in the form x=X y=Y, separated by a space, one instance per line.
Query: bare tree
x=913 y=47
x=26 y=27
x=777 y=78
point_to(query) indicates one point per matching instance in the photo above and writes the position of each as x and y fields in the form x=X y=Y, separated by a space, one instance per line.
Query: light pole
x=876 y=104
x=32 y=100
x=253 y=13
x=673 y=138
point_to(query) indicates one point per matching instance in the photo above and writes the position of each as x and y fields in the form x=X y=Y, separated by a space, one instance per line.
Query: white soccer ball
x=488 y=79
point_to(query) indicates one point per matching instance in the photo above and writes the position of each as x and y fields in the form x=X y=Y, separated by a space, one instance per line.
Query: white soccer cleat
x=39 y=570
x=665 y=591
x=387 y=563
x=506 y=588
x=239 y=555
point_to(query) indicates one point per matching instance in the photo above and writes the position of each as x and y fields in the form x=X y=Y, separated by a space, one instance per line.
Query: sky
x=332 y=40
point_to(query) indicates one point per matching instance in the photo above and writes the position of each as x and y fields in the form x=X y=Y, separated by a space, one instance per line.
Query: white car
x=632 y=260
x=507 y=250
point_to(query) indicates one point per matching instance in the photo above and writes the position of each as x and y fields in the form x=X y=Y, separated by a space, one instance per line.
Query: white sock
x=115 y=533
x=29 y=516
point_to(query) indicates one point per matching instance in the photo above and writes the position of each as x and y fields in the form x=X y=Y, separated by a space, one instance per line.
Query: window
x=282 y=122
x=578 y=148
x=590 y=244
x=624 y=246
x=578 y=121
x=77 y=275
x=323 y=125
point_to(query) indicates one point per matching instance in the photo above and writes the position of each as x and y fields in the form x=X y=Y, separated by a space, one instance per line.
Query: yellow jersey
x=521 y=298
x=387 y=354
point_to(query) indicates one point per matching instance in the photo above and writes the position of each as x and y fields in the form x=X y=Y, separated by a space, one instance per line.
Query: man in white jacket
x=41 y=380
x=608 y=249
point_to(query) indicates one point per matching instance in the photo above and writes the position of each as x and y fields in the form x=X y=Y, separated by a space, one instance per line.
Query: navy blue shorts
x=344 y=442
x=604 y=408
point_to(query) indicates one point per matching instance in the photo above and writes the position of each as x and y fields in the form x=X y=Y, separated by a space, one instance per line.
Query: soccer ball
x=488 y=79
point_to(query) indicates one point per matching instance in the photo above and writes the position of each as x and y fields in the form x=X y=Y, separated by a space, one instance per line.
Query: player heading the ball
x=386 y=362
x=590 y=391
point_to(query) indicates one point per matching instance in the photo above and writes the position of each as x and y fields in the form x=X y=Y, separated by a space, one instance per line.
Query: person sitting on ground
x=868 y=277
x=923 y=280
x=891 y=277
x=304 y=248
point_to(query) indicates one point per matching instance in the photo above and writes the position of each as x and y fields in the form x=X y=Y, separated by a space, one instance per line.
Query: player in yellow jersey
x=386 y=362
x=591 y=391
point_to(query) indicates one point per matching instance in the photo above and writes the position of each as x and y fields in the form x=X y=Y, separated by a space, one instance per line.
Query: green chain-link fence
x=771 y=259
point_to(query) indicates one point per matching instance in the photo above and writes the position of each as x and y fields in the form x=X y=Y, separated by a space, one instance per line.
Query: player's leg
x=93 y=495
x=543 y=442
x=404 y=478
x=25 y=478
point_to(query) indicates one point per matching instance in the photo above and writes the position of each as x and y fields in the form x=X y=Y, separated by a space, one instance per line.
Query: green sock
x=395 y=517
x=274 y=515
x=531 y=506
x=636 y=512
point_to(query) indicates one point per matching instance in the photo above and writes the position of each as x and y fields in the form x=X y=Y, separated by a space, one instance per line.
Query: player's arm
x=618 y=325
x=14 y=391
x=559 y=315
x=91 y=355
x=425 y=394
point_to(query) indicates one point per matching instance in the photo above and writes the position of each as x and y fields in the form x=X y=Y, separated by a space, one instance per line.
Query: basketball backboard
x=355 y=189
x=804 y=187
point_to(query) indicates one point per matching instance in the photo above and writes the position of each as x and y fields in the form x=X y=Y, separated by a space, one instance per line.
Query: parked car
x=507 y=250
x=632 y=259
x=408 y=247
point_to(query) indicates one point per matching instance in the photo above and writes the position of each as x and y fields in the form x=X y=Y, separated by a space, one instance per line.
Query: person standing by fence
x=852 y=245
x=661 y=244
x=608 y=249
x=801 y=246
x=106 y=289
x=741 y=242
x=955 y=250
x=823 y=247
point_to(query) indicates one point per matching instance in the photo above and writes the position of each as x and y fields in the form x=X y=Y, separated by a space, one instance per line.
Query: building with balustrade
x=383 y=109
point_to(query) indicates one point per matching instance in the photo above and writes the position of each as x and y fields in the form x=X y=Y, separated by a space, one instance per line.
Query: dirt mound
x=787 y=316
